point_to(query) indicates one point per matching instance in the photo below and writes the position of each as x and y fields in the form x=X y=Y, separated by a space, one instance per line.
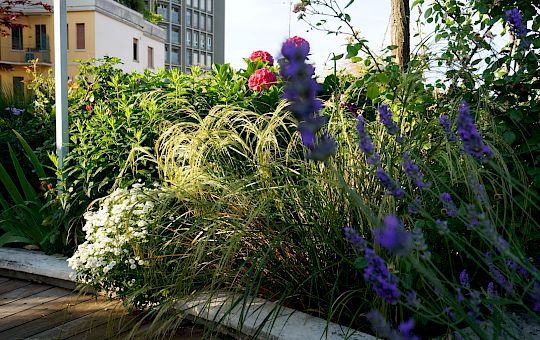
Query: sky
x=264 y=24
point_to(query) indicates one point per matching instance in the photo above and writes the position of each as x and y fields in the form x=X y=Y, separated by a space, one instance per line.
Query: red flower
x=263 y=77
x=50 y=186
x=298 y=43
x=88 y=107
x=262 y=55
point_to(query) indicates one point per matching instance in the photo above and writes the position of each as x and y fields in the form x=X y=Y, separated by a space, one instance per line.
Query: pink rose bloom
x=262 y=55
x=262 y=78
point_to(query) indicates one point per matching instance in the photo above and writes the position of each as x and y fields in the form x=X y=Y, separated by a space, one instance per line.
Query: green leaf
x=509 y=137
x=10 y=186
x=28 y=190
x=11 y=238
x=32 y=156
x=348 y=4
x=360 y=263
x=337 y=56
x=373 y=91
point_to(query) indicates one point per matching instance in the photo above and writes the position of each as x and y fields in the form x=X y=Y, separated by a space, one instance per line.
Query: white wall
x=115 y=39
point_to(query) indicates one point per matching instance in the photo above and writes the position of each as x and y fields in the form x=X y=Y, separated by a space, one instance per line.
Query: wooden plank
x=101 y=317
x=22 y=292
x=12 y=285
x=37 y=323
x=31 y=301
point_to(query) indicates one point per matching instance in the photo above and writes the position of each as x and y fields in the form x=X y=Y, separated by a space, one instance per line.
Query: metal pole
x=61 y=78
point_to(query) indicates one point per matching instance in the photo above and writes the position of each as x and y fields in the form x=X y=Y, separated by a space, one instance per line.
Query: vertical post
x=61 y=77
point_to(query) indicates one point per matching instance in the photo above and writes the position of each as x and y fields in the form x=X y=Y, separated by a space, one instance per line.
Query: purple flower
x=15 y=111
x=384 y=330
x=478 y=189
x=385 y=114
x=376 y=274
x=515 y=20
x=411 y=299
x=413 y=172
x=460 y=296
x=366 y=145
x=354 y=238
x=448 y=204
x=405 y=329
x=393 y=237
x=301 y=92
x=420 y=245
x=415 y=206
x=374 y=159
x=491 y=290
x=393 y=187
x=471 y=139
x=464 y=279
x=500 y=278
x=442 y=226
x=446 y=125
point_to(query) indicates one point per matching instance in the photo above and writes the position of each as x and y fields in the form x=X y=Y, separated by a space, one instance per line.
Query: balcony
x=23 y=57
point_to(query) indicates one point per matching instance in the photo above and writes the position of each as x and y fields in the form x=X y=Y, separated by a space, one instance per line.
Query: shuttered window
x=80 y=37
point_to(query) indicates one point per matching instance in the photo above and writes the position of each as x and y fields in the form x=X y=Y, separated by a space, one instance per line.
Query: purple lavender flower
x=393 y=187
x=301 y=92
x=442 y=226
x=411 y=299
x=366 y=145
x=478 y=189
x=393 y=237
x=500 y=278
x=471 y=139
x=448 y=204
x=491 y=290
x=415 y=206
x=376 y=274
x=446 y=125
x=413 y=172
x=473 y=218
x=385 y=114
x=459 y=295
x=515 y=21
x=15 y=111
x=384 y=330
x=374 y=159
x=464 y=279
x=419 y=242
x=354 y=238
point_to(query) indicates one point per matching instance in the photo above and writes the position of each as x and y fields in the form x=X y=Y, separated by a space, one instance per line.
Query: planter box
x=284 y=323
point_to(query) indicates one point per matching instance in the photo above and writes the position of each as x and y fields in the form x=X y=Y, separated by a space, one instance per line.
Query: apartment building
x=95 y=28
x=195 y=32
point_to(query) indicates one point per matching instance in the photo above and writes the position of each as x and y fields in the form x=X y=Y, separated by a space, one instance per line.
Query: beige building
x=96 y=28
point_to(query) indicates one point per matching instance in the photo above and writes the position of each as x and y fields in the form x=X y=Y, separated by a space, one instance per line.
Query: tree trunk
x=400 y=22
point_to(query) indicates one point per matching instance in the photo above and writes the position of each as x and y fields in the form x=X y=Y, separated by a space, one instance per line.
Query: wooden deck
x=40 y=311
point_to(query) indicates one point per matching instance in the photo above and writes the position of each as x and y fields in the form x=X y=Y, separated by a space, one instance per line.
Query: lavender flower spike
x=515 y=20
x=366 y=145
x=446 y=126
x=393 y=187
x=448 y=204
x=385 y=114
x=354 y=238
x=413 y=172
x=380 y=279
x=471 y=139
x=393 y=237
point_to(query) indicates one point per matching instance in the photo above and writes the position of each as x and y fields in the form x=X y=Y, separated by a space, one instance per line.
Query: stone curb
x=261 y=319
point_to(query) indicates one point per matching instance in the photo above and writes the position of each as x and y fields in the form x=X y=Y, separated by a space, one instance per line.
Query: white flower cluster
x=120 y=222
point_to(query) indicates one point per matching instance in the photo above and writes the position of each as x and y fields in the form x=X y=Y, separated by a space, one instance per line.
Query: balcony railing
x=25 y=56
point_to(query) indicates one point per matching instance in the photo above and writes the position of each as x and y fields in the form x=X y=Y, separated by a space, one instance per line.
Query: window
x=175 y=18
x=175 y=56
x=135 y=49
x=175 y=36
x=195 y=58
x=188 y=38
x=18 y=87
x=209 y=5
x=41 y=37
x=150 y=57
x=202 y=5
x=188 y=18
x=16 y=39
x=188 y=2
x=80 y=37
x=167 y=54
x=209 y=60
x=189 y=60
x=163 y=11
x=202 y=41
x=195 y=39
x=202 y=22
x=209 y=43
x=209 y=23
x=196 y=3
x=195 y=20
